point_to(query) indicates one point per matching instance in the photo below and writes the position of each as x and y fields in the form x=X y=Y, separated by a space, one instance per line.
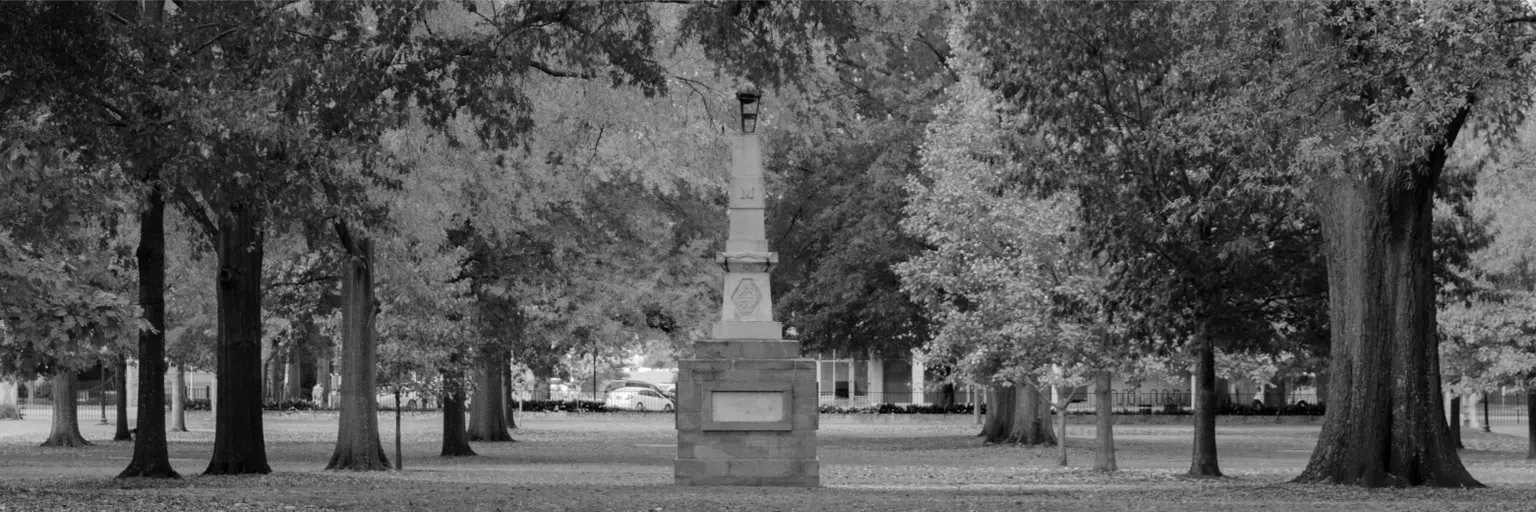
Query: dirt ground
x=625 y=464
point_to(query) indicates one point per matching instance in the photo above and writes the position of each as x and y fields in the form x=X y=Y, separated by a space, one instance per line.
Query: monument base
x=747 y=415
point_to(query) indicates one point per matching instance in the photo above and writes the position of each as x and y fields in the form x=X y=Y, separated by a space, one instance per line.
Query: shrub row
x=559 y=406
x=901 y=409
x=289 y=405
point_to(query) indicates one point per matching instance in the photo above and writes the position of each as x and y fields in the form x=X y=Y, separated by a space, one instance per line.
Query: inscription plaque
x=737 y=406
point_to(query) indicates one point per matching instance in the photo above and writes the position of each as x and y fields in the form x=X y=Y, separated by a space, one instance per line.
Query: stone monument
x=747 y=406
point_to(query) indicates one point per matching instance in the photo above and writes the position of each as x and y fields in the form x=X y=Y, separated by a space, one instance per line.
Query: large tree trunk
x=1203 y=460
x=455 y=437
x=179 y=399
x=357 y=440
x=66 y=413
x=1455 y=421
x=487 y=419
x=239 y=444
x=999 y=422
x=1384 y=424
x=1104 y=457
x=120 y=385
x=1031 y=416
x=1530 y=424
x=151 y=455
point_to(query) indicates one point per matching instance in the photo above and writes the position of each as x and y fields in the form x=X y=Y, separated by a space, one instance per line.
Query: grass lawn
x=625 y=463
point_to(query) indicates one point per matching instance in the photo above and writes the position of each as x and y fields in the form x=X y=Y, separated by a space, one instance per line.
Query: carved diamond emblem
x=746 y=297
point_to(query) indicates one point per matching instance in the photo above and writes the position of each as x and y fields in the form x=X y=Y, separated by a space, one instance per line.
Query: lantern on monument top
x=748 y=96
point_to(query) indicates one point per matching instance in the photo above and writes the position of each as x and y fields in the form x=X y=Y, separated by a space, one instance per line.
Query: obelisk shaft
x=747 y=309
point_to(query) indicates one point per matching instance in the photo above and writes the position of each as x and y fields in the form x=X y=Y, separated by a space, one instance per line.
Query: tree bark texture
x=1530 y=424
x=399 y=460
x=1104 y=429
x=455 y=437
x=1031 y=416
x=1455 y=421
x=293 y=388
x=323 y=372
x=357 y=440
x=999 y=421
x=151 y=454
x=1384 y=424
x=66 y=413
x=179 y=399
x=487 y=419
x=507 y=391
x=1064 y=396
x=1203 y=461
x=239 y=444
x=120 y=385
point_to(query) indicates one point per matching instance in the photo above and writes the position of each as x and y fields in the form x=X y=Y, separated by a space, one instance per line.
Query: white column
x=877 y=381
x=918 y=397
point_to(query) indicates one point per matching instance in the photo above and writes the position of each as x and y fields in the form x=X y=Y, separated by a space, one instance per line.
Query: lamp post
x=749 y=96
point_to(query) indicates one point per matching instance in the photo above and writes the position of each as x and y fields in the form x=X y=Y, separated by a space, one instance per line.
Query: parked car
x=638 y=399
x=669 y=389
x=614 y=384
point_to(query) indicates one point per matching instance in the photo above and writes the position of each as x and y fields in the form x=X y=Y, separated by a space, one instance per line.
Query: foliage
x=63 y=265
x=839 y=152
x=1014 y=293
x=1489 y=342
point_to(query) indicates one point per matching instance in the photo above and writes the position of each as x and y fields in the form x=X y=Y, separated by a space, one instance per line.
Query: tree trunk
x=66 y=412
x=272 y=373
x=179 y=399
x=294 y=388
x=151 y=455
x=1104 y=457
x=357 y=440
x=1455 y=421
x=978 y=400
x=1530 y=424
x=1064 y=396
x=120 y=385
x=999 y=424
x=487 y=420
x=506 y=392
x=1203 y=460
x=239 y=445
x=324 y=365
x=455 y=437
x=399 y=460
x=1031 y=417
x=1383 y=424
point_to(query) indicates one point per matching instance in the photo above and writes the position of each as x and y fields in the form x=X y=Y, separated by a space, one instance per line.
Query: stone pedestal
x=747 y=415
x=746 y=405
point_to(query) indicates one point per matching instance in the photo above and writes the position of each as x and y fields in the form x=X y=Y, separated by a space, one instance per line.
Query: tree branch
x=195 y=210
x=558 y=73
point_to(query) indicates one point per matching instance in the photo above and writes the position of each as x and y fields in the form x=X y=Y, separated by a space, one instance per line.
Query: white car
x=638 y=399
